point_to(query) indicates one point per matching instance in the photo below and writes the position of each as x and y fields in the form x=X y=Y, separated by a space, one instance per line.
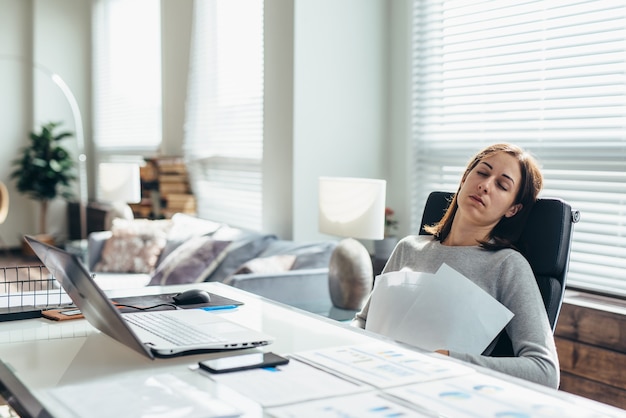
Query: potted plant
x=44 y=169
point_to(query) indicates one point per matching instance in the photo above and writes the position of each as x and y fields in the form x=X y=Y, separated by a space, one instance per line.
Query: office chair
x=545 y=242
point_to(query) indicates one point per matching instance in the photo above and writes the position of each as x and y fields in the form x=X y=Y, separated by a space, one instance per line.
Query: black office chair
x=545 y=242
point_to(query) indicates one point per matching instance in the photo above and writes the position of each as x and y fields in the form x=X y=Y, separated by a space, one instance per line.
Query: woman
x=475 y=237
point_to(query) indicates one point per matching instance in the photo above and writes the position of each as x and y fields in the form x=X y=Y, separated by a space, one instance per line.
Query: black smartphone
x=242 y=362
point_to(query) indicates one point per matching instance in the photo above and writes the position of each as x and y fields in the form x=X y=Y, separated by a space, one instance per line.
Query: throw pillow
x=185 y=227
x=191 y=262
x=134 y=246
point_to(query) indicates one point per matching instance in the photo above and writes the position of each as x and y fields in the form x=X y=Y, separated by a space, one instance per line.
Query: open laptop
x=103 y=315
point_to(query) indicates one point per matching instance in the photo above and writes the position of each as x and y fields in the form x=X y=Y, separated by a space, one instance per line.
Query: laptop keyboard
x=170 y=328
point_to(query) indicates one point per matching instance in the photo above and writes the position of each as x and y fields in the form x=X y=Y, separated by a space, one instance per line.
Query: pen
x=215 y=308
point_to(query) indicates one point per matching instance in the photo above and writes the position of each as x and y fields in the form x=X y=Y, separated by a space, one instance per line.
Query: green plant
x=44 y=169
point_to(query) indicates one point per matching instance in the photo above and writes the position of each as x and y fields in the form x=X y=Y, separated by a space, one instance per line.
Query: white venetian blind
x=224 y=123
x=127 y=74
x=549 y=76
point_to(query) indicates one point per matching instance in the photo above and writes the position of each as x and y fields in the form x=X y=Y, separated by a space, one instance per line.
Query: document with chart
x=444 y=310
x=383 y=365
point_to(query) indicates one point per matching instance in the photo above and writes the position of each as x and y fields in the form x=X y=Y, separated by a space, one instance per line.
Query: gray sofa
x=193 y=250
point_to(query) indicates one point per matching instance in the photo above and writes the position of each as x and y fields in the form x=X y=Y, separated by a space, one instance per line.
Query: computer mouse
x=192 y=296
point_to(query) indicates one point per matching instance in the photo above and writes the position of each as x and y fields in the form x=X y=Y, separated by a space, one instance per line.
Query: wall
x=176 y=18
x=61 y=26
x=340 y=101
x=278 y=155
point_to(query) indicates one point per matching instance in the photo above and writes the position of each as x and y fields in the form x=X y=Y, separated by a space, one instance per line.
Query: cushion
x=185 y=227
x=245 y=246
x=191 y=262
x=308 y=254
x=134 y=246
x=263 y=265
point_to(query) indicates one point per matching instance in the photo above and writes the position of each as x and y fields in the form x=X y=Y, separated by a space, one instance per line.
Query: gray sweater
x=505 y=275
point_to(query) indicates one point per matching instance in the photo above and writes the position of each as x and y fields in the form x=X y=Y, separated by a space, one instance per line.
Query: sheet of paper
x=481 y=395
x=293 y=382
x=444 y=310
x=383 y=365
x=142 y=395
x=365 y=405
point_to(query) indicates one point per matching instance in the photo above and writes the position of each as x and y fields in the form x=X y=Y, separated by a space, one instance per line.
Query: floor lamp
x=352 y=208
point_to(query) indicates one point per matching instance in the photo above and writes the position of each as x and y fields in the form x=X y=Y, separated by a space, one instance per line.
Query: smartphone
x=242 y=362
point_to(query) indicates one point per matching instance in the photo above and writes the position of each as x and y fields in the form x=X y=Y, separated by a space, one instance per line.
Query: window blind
x=127 y=74
x=546 y=75
x=224 y=120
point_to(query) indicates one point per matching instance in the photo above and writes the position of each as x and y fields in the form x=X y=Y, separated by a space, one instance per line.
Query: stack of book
x=174 y=188
x=165 y=189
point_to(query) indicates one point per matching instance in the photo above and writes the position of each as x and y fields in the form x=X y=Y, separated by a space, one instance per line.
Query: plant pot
x=384 y=247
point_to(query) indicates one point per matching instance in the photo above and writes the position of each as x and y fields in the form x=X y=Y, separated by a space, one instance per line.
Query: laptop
x=95 y=306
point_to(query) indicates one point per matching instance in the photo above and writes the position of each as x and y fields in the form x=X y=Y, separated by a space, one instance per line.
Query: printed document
x=383 y=365
x=444 y=310
x=363 y=405
x=289 y=383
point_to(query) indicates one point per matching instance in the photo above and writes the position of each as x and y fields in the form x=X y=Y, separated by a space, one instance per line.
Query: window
x=127 y=75
x=546 y=75
x=224 y=121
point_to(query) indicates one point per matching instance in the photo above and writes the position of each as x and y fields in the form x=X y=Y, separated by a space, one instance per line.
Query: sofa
x=187 y=249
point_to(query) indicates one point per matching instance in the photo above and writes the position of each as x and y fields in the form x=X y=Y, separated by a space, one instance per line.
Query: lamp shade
x=119 y=182
x=352 y=207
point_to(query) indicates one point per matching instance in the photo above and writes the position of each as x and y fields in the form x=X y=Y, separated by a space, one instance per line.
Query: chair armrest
x=95 y=244
x=303 y=288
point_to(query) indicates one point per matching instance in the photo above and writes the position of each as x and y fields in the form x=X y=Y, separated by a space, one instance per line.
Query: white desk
x=44 y=354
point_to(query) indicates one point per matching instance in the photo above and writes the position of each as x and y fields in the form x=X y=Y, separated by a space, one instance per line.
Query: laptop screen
x=86 y=294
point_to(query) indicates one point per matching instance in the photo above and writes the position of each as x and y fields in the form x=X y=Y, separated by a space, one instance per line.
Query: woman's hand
x=444 y=352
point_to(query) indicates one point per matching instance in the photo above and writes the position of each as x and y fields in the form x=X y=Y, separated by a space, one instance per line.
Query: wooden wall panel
x=592 y=326
x=590 y=389
x=591 y=342
x=592 y=362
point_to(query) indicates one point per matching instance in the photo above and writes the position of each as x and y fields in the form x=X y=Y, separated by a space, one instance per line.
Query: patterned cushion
x=134 y=246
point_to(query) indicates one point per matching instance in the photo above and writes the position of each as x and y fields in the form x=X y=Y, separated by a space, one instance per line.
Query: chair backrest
x=545 y=242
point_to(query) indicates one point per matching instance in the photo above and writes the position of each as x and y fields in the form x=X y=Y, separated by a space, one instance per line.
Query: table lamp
x=119 y=184
x=352 y=208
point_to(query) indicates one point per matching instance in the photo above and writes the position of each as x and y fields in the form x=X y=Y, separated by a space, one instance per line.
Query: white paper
x=365 y=405
x=480 y=396
x=290 y=383
x=444 y=310
x=139 y=395
x=383 y=365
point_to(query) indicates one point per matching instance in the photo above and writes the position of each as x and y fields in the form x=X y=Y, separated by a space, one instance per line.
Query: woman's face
x=488 y=192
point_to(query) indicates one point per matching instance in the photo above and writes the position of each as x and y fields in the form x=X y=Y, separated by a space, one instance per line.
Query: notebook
x=96 y=307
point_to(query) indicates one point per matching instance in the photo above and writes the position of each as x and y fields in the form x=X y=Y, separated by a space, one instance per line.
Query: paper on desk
x=444 y=310
x=362 y=405
x=481 y=395
x=290 y=383
x=382 y=364
x=139 y=395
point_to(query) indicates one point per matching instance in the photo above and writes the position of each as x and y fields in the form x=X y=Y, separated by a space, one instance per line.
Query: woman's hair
x=507 y=232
